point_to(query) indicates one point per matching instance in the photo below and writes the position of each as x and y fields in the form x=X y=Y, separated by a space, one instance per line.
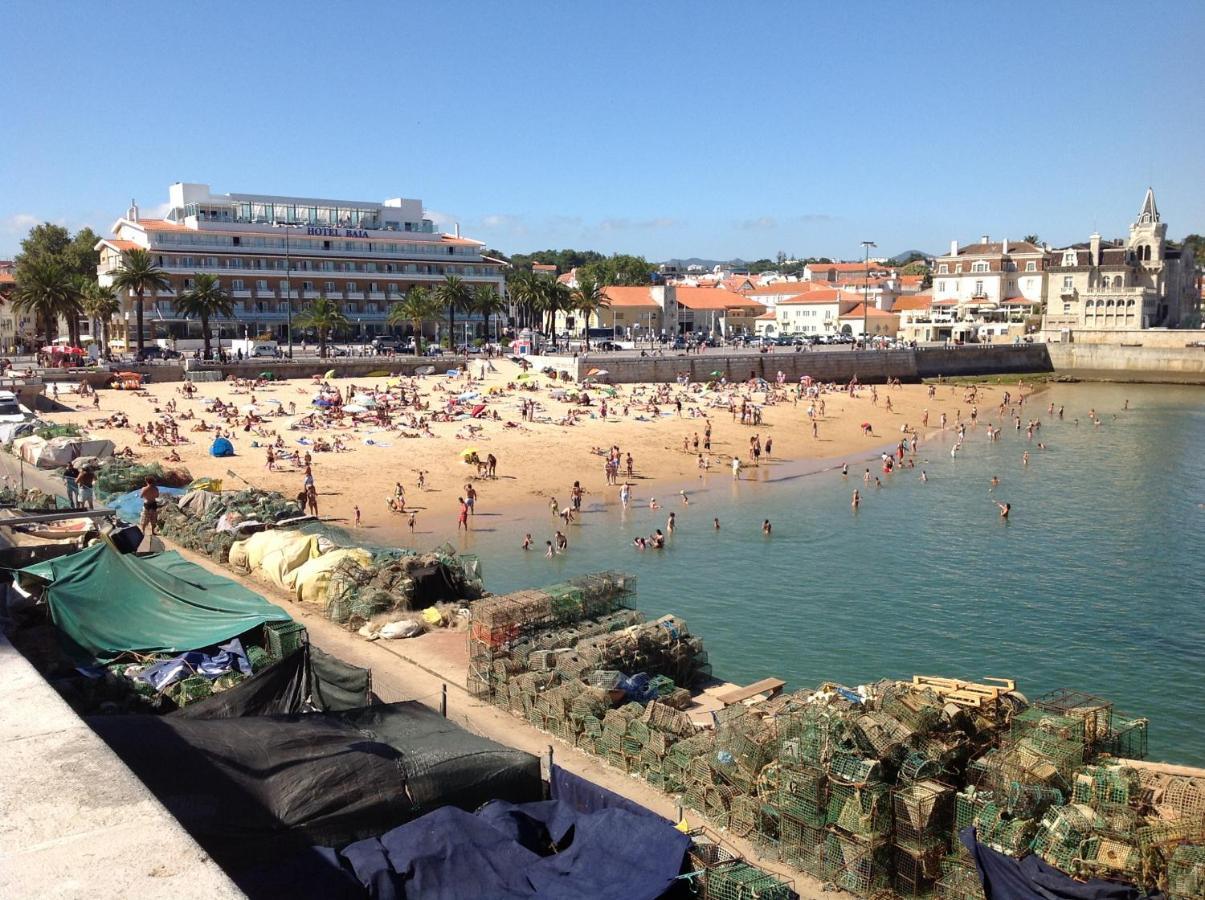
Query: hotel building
x=276 y=255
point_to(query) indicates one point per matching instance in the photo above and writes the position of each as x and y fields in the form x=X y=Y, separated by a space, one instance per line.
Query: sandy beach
x=537 y=459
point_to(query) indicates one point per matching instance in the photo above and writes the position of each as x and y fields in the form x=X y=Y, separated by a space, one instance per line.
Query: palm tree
x=588 y=298
x=453 y=295
x=205 y=300
x=1031 y=239
x=73 y=308
x=44 y=288
x=521 y=287
x=416 y=308
x=101 y=305
x=139 y=274
x=552 y=297
x=487 y=303
x=324 y=316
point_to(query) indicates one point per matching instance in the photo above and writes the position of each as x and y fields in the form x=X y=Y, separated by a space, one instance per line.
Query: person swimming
x=1005 y=509
x=857 y=499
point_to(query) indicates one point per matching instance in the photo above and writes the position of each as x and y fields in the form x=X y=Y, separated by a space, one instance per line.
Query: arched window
x=1118 y=281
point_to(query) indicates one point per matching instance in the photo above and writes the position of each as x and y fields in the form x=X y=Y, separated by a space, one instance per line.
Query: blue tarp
x=587 y=797
x=229 y=657
x=1032 y=878
x=221 y=447
x=529 y=850
x=129 y=505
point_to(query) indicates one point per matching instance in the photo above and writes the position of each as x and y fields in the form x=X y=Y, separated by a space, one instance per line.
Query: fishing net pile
x=47 y=432
x=28 y=499
x=866 y=789
x=204 y=520
x=118 y=476
x=397 y=581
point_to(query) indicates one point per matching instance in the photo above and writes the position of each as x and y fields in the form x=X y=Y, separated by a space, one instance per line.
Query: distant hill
x=900 y=257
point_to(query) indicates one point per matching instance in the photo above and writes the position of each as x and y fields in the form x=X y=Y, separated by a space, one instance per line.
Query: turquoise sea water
x=1095 y=583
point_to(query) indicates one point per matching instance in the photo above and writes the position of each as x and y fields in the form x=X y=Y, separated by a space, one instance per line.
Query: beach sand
x=536 y=460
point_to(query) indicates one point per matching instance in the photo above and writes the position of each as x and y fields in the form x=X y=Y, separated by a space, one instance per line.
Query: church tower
x=1148 y=234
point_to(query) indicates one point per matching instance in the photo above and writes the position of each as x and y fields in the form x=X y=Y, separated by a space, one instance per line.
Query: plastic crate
x=284 y=638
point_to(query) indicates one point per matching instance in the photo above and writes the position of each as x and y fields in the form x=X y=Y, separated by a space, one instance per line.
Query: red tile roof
x=711 y=298
x=817 y=295
x=630 y=297
x=874 y=313
x=913 y=301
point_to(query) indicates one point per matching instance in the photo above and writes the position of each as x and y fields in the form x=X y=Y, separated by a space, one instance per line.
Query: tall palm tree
x=521 y=287
x=487 y=303
x=204 y=301
x=453 y=295
x=73 y=308
x=101 y=305
x=139 y=274
x=44 y=288
x=324 y=316
x=552 y=297
x=417 y=307
x=588 y=298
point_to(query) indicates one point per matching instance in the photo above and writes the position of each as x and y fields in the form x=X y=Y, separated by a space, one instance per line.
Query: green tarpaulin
x=106 y=603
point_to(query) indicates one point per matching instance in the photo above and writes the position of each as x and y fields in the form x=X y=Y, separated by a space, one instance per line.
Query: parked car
x=382 y=345
x=156 y=352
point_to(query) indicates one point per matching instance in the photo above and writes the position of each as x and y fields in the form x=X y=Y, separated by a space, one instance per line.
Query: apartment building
x=275 y=255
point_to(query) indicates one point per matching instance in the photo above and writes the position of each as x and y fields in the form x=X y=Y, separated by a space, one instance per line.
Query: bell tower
x=1148 y=234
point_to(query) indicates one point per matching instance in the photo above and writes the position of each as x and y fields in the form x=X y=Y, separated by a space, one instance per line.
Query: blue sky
x=666 y=129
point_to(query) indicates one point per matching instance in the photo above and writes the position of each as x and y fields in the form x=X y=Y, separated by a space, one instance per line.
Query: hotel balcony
x=354 y=295
x=240 y=293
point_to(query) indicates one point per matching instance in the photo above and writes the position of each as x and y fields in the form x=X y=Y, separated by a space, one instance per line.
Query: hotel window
x=1067 y=282
x=373 y=286
x=1031 y=266
x=1069 y=258
x=284 y=286
x=979 y=266
x=237 y=285
x=329 y=287
x=351 y=287
x=307 y=285
x=328 y=266
x=261 y=285
x=370 y=267
x=978 y=288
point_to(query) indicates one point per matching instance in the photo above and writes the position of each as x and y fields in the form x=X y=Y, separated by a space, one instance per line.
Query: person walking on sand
x=311 y=499
x=470 y=499
x=462 y=518
x=356 y=515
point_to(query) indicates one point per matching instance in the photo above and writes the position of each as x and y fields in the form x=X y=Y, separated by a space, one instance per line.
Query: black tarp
x=1032 y=878
x=304 y=680
x=261 y=788
x=532 y=850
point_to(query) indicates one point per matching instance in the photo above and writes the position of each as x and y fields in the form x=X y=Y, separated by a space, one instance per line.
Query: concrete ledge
x=74 y=821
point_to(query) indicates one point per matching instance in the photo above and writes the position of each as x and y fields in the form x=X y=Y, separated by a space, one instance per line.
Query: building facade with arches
x=1131 y=283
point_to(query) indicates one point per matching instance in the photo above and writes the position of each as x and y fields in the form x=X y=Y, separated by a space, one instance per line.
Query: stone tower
x=1148 y=234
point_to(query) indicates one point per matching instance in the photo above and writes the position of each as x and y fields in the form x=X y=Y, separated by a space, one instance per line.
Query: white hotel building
x=266 y=250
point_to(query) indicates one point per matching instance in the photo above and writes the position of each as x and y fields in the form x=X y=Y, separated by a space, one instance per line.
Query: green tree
x=1031 y=239
x=139 y=274
x=564 y=260
x=522 y=286
x=618 y=270
x=487 y=303
x=101 y=305
x=325 y=317
x=588 y=298
x=1196 y=244
x=919 y=268
x=416 y=308
x=206 y=300
x=45 y=288
x=551 y=297
x=455 y=296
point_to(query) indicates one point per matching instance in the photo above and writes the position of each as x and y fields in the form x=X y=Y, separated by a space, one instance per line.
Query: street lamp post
x=866 y=245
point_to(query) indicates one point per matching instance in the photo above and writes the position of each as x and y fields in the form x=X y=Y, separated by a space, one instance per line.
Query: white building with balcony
x=276 y=255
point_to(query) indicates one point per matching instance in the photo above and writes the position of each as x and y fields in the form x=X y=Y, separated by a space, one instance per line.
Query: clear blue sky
x=664 y=129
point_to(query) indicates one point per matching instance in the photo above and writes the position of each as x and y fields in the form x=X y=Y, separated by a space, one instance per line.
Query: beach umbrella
x=523 y=377
x=467 y=452
x=355 y=408
x=330 y=373
x=717 y=374
x=249 y=408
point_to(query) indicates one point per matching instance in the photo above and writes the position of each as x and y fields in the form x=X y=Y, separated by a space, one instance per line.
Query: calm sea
x=1095 y=583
